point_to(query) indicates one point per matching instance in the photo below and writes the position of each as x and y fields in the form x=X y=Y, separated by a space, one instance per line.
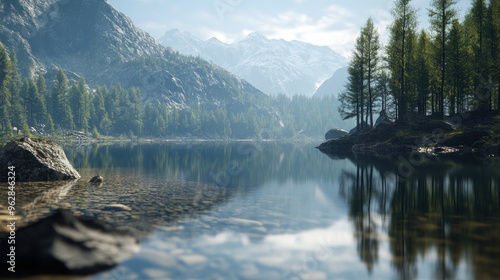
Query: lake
x=246 y=210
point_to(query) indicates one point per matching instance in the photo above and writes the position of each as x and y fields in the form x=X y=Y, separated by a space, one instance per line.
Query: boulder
x=335 y=133
x=339 y=147
x=63 y=244
x=36 y=160
x=97 y=179
x=383 y=118
x=363 y=126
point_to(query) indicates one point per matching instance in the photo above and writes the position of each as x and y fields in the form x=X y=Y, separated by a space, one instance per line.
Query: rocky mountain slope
x=273 y=66
x=90 y=38
x=334 y=85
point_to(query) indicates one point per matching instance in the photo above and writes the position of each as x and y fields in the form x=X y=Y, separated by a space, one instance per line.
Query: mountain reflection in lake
x=283 y=211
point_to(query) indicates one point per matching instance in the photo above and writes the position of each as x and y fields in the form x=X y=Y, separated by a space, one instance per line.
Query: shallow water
x=284 y=211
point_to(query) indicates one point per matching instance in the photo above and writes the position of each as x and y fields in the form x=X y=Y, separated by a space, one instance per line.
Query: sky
x=332 y=23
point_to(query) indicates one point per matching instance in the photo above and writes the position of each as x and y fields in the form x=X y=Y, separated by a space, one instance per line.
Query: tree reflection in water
x=445 y=208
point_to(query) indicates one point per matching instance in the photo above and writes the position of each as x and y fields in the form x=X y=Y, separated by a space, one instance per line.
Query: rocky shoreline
x=470 y=133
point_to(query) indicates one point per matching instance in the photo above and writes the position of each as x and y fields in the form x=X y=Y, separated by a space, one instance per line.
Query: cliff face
x=90 y=38
x=80 y=36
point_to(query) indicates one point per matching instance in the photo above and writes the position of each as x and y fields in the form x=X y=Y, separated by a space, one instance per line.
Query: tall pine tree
x=404 y=24
x=441 y=14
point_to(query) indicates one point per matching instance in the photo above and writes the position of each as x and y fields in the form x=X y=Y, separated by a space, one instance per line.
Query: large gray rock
x=63 y=244
x=363 y=126
x=36 y=160
x=383 y=119
x=335 y=133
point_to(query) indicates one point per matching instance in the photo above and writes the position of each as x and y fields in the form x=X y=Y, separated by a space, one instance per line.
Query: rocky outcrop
x=63 y=244
x=36 y=160
x=335 y=133
x=469 y=138
x=417 y=122
x=363 y=126
x=419 y=133
x=383 y=118
x=339 y=147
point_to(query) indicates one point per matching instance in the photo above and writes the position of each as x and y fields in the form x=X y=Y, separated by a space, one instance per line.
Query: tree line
x=451 y=68
x=27 y=106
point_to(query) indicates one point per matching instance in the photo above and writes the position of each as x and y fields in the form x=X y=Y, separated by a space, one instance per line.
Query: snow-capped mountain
x=273 y=66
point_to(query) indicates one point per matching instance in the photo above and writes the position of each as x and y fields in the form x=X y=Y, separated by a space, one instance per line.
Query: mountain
x=273 y=66
x=90 y=38
x=334 y=85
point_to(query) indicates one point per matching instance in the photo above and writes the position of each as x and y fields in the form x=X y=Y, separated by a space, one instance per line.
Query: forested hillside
x=28 y=106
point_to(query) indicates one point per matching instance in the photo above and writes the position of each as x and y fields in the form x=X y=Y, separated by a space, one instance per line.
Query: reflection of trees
x=361 y=193
x=443 y=207
x=197 y=161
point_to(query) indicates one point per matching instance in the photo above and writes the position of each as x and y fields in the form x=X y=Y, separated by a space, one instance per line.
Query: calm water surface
x=286 y=211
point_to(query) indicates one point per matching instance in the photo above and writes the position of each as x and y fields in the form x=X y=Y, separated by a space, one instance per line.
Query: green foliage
x=451 y=68
x=398 y=58
x=79 y=104
x=360 y=94
x=5 y=94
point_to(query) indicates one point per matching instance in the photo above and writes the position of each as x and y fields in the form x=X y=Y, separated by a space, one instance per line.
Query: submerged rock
x=96 y=179
x=63 y=244
x=36 y=160
x=117 y=207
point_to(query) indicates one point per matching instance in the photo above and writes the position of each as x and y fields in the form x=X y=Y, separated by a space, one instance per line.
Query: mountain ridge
x=272 y=65
x=88 y=38
x=91 y=39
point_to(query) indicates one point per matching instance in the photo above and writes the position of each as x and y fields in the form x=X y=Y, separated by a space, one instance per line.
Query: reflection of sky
x=292 y=230
x=319 y=253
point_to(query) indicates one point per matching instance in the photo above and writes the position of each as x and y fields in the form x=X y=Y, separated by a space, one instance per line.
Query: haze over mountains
x=273 y=66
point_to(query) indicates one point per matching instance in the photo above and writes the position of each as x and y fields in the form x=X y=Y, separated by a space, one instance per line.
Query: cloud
x=336 y=27
x=317 y=22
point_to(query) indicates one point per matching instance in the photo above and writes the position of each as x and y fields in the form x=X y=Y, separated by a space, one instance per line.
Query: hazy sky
x=332 y=23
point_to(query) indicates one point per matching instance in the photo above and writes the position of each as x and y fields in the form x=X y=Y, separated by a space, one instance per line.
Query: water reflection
x=444 y=214
x=285 y=211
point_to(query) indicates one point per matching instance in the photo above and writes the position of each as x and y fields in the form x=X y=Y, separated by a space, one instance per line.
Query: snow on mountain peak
x=273 y=66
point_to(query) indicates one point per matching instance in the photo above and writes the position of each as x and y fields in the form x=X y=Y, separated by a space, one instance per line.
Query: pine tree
x=5 y=94
x=456 y=68
x=372 y=46
x=135 y=109
x=79 y=101
x=350 y=99
x=404 y=24
x=423 y=72
x=494 y=48
x=61 y=111
x=41 y=85
x=18 y=112
x=441 y=14
x=478 y=15
x=97 y=108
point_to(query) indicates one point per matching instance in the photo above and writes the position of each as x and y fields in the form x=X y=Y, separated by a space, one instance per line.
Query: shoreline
x=477 y=135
